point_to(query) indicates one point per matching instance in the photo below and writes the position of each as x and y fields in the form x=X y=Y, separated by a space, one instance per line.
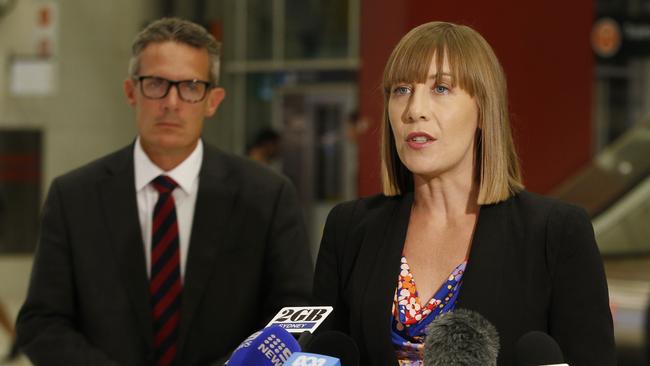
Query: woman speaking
x=454 y=227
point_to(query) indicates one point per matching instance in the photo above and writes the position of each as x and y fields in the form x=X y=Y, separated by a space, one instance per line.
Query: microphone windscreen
x=538 y=348
x=335 y=344
x=461 y=338
x=271 y=346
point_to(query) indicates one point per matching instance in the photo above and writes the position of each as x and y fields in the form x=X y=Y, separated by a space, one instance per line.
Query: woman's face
x=434 y=125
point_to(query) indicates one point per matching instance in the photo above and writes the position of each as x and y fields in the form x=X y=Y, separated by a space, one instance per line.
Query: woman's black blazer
x=533 y=265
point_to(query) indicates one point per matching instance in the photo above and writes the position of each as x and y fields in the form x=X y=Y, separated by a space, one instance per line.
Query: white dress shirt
x=187 y=176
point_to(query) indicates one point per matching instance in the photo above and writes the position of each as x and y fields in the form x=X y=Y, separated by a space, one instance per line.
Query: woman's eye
x=441 y=89
x=401 y=90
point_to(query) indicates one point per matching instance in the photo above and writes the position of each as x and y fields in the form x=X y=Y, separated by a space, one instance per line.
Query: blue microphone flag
x=272 y=346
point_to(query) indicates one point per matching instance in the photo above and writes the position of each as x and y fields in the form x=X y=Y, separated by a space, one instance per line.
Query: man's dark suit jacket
x=533 y=265
x=88 y=301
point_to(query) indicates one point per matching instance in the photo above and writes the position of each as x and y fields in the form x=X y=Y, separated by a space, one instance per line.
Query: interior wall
x=545 y=52
x=87 y=116
x=381 y=26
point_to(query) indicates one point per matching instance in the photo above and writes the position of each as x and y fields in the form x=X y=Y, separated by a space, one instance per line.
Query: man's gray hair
x=176 y=30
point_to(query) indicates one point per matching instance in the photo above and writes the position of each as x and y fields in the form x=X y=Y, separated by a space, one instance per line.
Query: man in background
x=265 y=148
x=6 y=323
x=167 y=251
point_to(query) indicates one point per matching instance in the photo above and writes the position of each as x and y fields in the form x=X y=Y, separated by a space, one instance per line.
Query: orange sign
x=606 y=37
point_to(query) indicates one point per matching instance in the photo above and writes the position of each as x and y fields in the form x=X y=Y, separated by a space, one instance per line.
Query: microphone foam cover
x=538 y=348
x=461 y=338
x=335 y=344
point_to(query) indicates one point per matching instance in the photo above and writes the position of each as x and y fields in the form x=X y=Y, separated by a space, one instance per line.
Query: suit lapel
x=118 y=198
x=382 y=250
x=483 y=281
x=214 y=205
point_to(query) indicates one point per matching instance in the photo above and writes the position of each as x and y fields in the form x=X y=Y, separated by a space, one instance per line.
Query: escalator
x=615 y=190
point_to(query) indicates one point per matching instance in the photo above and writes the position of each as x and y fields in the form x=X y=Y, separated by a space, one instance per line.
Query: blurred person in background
x=168 y=251
x=6 y=320
x=454 y=227
x=265 y=148
x=7 y=324
x=355 y=127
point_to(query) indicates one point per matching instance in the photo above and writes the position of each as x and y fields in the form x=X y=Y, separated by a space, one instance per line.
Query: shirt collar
x=185 y=174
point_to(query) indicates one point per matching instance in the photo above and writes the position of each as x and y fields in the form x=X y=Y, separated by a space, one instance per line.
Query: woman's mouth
x=419 y=140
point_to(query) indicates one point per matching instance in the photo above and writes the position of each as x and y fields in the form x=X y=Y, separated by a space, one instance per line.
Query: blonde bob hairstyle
x=474 y=68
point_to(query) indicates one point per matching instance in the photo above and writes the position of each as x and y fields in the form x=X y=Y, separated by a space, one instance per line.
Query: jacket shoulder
x=534 y=205
x=364 y=206
x=242 y=169
x=99 y=169
x=563 y=227
x=355 y=216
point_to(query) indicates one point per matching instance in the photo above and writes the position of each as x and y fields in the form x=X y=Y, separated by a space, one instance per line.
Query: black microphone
x=461 y=338
x=538 y=348
x=334 y=344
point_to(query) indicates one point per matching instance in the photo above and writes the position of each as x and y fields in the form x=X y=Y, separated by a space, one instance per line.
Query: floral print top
x=410 y=318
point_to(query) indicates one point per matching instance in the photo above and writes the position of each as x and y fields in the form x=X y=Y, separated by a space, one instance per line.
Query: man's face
x=171 y=126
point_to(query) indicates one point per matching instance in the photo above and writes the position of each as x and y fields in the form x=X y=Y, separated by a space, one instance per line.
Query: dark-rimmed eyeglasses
x=191 y=91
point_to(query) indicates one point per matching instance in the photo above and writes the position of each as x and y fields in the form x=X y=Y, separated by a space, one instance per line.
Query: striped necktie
x=165 y=284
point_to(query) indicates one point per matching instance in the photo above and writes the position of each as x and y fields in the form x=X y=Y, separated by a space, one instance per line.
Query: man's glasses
x=191 y=91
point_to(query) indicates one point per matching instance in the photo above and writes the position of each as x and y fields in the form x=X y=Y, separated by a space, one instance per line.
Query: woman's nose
x=418 y=107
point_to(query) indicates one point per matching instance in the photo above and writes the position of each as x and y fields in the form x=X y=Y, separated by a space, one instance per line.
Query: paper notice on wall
x=32 y=77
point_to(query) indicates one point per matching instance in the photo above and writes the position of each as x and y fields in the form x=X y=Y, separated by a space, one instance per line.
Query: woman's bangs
x=410 y=63
x=460 y=67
